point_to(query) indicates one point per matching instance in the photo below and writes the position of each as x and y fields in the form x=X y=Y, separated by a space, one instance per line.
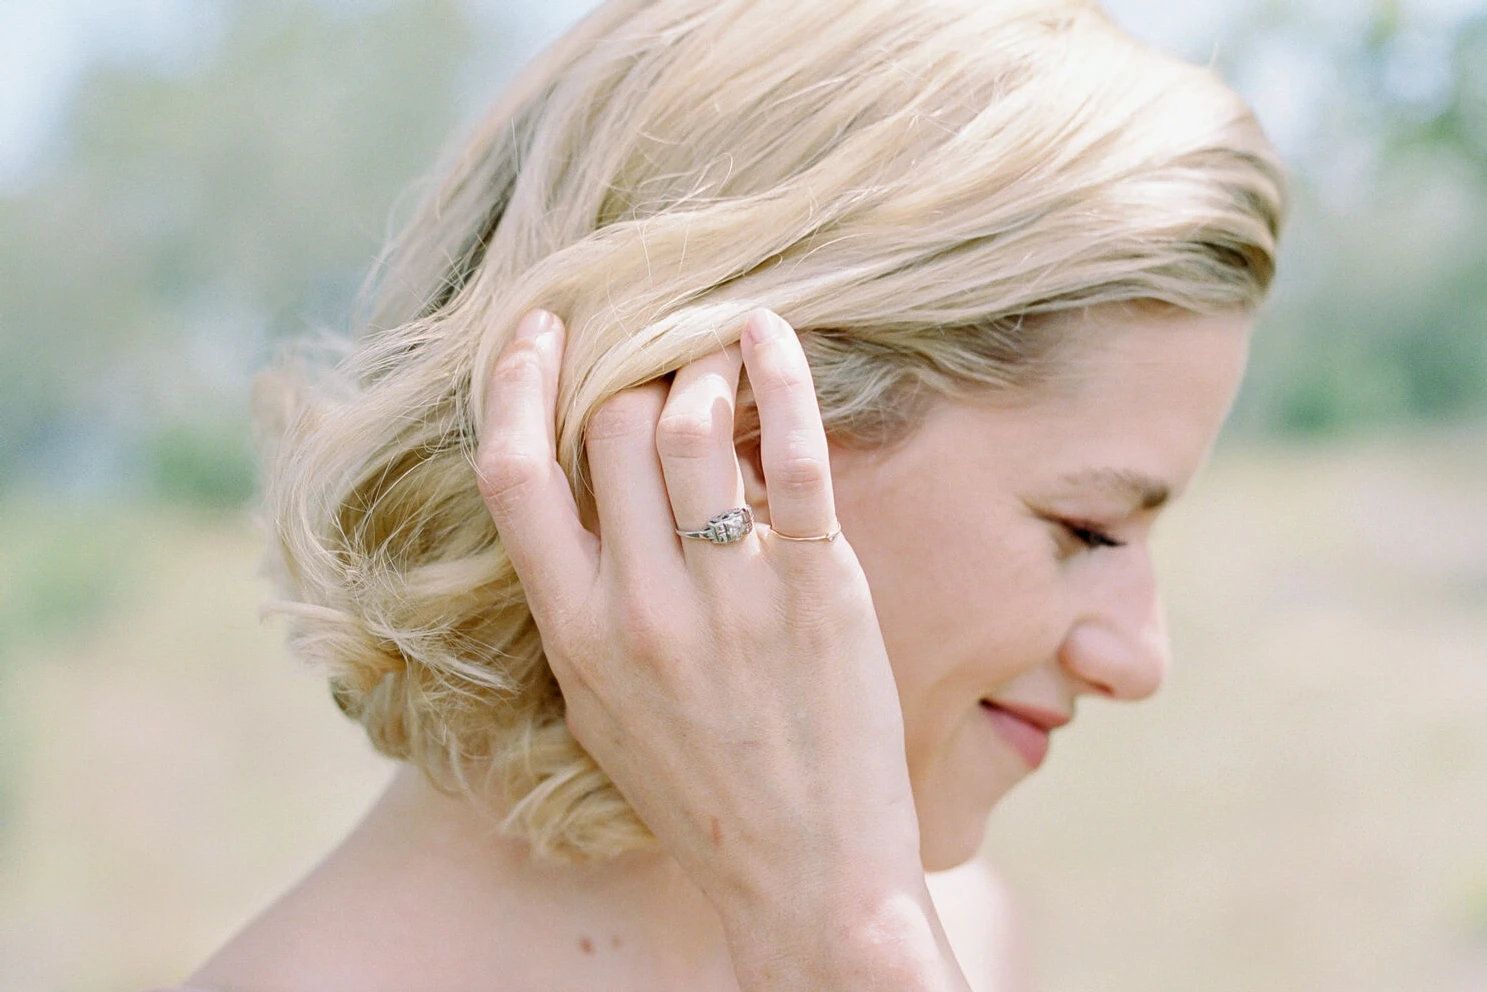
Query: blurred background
x=185 y=183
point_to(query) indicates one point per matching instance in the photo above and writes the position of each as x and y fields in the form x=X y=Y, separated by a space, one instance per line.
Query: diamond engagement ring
x=726 y=528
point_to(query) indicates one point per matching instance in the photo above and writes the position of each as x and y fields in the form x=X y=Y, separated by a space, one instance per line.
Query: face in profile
x=1006 y=545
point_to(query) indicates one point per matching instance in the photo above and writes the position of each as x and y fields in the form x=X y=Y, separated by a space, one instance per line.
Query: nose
x=1117 y=645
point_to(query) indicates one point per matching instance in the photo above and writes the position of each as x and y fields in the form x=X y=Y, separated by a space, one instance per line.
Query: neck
x=639 y=909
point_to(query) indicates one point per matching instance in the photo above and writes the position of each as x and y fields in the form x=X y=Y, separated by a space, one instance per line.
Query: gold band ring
x=814 y=537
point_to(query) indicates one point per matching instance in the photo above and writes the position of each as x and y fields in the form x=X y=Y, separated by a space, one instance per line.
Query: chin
x=943 y=857
x=947 y=842
x=952 y=821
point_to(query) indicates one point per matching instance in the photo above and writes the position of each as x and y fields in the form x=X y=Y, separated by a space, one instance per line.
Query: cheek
x=966 y=599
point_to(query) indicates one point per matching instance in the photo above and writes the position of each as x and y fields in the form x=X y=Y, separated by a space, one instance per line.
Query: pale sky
x=45 y=45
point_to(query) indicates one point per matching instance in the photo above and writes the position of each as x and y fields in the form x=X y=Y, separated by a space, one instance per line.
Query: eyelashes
x=1091 y=537
x=1073 y=535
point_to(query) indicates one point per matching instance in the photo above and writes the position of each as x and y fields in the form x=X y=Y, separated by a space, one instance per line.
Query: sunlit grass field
x=1304 y=807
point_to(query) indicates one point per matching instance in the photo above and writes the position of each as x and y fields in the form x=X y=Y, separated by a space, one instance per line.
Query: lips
x=1026 y=728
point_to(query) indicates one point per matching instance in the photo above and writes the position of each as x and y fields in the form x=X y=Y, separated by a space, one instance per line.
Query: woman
x=748 y=465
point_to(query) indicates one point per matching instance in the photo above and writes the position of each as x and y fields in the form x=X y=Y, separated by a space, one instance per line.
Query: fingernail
x=534 y=324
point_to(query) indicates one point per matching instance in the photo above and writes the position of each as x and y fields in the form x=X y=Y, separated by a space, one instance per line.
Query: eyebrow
x=1134 y=487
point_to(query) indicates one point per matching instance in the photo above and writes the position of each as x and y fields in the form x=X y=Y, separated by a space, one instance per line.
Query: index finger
x=523 y=485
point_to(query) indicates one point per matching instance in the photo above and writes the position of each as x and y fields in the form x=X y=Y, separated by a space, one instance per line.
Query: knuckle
x=625 y=414
x=519 y=366
x=776 y=371
x=642 y=632
x=644 y=629
x=798 y=473
x=835 y=605
x=685 y=434
x=506 y=470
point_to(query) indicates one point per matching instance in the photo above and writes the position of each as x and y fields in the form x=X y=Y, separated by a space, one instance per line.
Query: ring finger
x=694 y=438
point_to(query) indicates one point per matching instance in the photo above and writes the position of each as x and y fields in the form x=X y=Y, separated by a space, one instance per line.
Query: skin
x=976 y=563
x=978 y=520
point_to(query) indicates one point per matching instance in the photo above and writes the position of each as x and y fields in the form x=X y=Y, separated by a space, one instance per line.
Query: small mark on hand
x=586 y=945
x=717 y=832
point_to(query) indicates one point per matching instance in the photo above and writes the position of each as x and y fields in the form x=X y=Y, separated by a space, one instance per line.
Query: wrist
x=878 y=931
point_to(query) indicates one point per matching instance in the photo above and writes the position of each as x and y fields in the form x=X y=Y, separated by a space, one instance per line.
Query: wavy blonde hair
x=911 y=183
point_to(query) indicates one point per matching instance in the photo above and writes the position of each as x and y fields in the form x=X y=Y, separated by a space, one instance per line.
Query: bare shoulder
x=981 y=920
x=323 y=935
x=284 y=950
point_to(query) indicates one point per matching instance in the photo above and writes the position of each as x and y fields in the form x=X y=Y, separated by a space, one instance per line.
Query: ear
x=751 y=467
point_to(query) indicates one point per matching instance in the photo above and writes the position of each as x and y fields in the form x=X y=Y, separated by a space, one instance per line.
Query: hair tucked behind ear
x=911 y=183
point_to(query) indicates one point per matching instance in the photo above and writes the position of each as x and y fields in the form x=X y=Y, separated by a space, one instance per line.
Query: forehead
x=1132 y=364
x=1133 y=414
x=1141 y=401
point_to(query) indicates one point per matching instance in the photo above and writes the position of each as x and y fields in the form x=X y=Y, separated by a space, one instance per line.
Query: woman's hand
x=738 y=695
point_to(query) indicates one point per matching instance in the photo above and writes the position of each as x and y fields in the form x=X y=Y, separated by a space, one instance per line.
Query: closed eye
x=1091 y=537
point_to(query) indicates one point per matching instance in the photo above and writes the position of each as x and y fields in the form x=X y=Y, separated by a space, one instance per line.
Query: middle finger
x=636 y=536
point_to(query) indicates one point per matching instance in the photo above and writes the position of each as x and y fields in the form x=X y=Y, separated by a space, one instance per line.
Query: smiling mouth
x=1026 y=729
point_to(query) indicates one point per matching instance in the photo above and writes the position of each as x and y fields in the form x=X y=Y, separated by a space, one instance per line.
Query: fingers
x=792 y=442
x=658 y=459
x=635 y=525
x=695 y=441
x=519 y=477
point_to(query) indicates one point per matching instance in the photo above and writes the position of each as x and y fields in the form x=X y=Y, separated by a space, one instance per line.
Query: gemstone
x=730 y=525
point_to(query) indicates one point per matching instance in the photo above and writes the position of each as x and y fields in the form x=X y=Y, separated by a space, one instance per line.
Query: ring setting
x=725 y=528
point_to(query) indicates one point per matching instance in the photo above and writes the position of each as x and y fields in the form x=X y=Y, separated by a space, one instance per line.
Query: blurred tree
x=1381 y=313
x=204 y=208
x=198 y=214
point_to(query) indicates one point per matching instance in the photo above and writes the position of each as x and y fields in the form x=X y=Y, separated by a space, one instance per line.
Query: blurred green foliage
x=190 y=463
x=60 y=569
x=1380 y=316
x=198 y=212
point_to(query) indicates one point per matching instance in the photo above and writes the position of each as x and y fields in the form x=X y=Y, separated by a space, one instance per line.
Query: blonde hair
x=911 y=183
